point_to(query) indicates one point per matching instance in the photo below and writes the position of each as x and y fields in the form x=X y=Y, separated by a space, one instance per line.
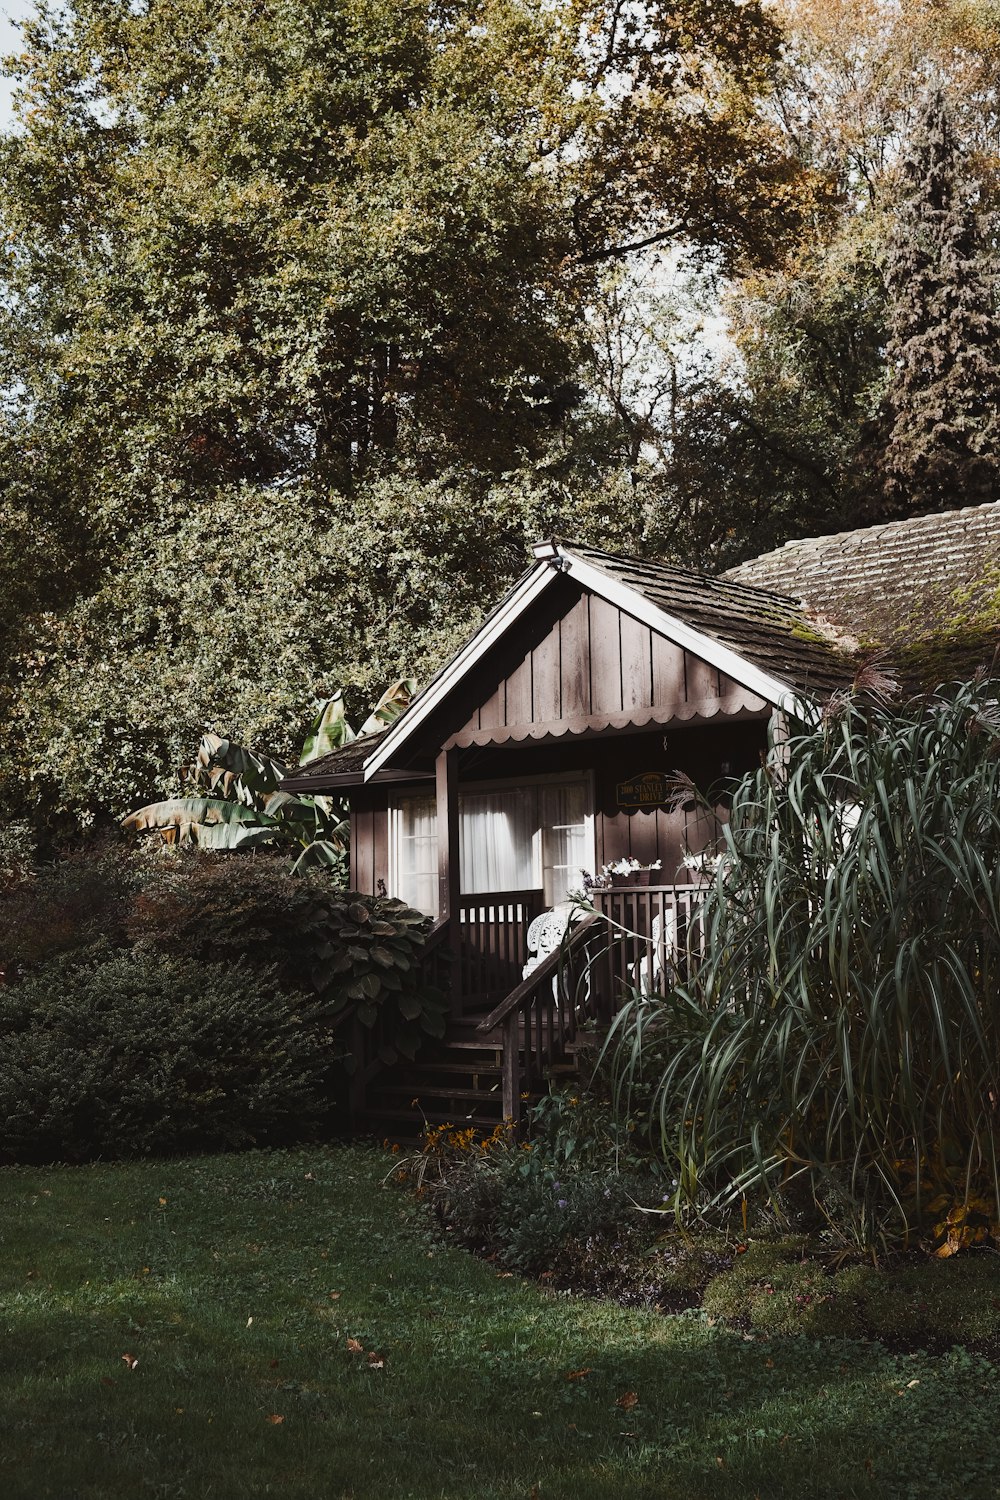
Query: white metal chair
x=659 y=966
x=546 y=933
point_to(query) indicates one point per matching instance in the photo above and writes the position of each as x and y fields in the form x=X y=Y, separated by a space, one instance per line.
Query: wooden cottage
x=543 y=751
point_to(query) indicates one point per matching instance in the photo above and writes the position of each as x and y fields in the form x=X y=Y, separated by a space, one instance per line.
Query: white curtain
x=498 y=834
x=563 y=814
x=416 y=874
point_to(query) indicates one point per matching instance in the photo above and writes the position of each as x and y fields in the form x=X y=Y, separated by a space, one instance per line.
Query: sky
x=10 y=11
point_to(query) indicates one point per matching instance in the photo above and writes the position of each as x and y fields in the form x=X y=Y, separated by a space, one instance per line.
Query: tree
x=943 y=400
x=272 y=269
x=787 y=438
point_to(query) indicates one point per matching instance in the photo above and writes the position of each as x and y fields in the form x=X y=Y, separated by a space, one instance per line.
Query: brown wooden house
x=542 y=750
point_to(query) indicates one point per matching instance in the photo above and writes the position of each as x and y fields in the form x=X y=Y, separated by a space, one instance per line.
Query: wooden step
x=422 y=1091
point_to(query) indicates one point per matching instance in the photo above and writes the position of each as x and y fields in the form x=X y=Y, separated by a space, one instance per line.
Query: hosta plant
x=836 y=1046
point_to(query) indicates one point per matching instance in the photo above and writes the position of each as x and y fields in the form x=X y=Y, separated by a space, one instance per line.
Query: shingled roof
x=348 y=761
x=765 y=626
x=926 y=589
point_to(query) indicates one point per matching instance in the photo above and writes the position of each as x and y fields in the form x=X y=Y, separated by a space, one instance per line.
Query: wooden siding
x=595 y=661
x=703 y=751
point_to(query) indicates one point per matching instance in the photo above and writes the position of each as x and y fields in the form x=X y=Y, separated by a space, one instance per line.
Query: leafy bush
x=227 y=908
x=361 y=954
x=838 y=1043
x=132 y=1054
x=64 y=907
x=541 y=1206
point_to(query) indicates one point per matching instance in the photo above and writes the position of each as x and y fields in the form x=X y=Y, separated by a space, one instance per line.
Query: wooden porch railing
x=541 y=1017
x=653 y=933
x=639 y=937
x=494 y=944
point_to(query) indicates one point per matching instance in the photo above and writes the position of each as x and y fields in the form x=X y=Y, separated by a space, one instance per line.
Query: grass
x=236 y=1283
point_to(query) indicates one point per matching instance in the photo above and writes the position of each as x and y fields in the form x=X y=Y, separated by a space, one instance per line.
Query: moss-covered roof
x=926 y=590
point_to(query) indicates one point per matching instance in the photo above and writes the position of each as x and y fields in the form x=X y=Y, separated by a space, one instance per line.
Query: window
x=414 y=872
x=537 y=835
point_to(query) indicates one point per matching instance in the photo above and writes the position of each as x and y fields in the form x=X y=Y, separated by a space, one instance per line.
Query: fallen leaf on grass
x=375 y=1361
x=163 y=1202
x=627 y=1400
x=275 y=1419
x=129 y=1361
x=355 y=1346
x=334 y=1296
x=578 y=1374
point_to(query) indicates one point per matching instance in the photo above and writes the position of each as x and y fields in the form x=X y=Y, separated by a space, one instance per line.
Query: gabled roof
x=926 y=589
x=764 y=642
x=768 y=629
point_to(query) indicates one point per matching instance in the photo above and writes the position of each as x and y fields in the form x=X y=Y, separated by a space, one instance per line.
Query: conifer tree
x=943 y=399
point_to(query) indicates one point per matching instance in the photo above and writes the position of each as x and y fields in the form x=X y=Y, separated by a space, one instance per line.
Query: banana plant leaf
x=328 y=731
x=394 y=701
x=212 y=822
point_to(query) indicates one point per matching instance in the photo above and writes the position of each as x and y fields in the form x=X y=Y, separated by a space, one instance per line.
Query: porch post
x=446 y=783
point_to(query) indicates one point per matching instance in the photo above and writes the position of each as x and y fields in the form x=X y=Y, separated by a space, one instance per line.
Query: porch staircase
x=501 y=1051
x=489 y=1066
x=457 y=1081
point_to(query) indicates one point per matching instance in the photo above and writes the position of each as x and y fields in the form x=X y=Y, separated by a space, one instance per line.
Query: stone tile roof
x=767 y=627
x=926 y=590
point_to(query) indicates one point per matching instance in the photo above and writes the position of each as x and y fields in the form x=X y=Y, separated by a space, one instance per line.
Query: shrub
x=838 y=1043
x=137 y=1054
x=64 y=907
x=223 y=908
x=361 y=954
x=542 y=1206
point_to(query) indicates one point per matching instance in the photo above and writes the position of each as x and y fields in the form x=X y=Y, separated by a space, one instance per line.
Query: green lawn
x=236 y=1283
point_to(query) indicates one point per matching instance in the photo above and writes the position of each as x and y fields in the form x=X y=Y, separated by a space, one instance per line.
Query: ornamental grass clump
x=836 y=1047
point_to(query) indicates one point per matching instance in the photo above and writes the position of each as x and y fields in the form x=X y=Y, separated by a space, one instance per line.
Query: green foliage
x=360 y=955
x=221 y=909
x=369 y=968
x=222 y=614
x=837 y=1043
x=780 y=1287
x=360 y=958
x=550 y=1206
x=285 y=288
x=944 y=348
x=242 y=801
x=67 y=907
x=132 y=1054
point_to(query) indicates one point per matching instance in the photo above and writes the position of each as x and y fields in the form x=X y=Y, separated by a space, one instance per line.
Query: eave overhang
x=554 y=560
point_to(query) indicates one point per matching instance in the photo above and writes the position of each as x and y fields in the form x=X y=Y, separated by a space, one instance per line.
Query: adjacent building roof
x=927 y=589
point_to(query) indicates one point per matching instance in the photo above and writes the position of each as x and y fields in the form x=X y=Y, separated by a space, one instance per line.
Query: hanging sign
x=649 y=789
